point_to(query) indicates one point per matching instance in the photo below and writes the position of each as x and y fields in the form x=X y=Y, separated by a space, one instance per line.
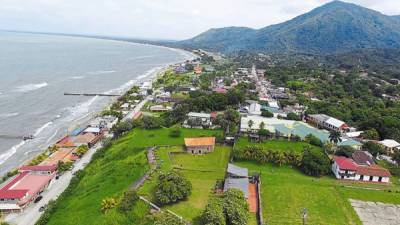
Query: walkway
x=373 y=213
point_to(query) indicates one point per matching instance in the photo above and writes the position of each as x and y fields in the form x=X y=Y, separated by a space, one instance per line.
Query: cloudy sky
x=166 y=19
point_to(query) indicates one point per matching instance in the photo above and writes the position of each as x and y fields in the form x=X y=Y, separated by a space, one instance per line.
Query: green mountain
x=332 y=28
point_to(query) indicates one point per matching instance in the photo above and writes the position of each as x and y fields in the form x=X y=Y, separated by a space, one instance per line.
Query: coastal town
x=216 y=130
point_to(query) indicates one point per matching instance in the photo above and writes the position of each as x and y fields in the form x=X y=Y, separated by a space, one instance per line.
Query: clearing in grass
x=275 y=145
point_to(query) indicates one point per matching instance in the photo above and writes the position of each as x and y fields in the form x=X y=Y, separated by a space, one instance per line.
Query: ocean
x=36 y=70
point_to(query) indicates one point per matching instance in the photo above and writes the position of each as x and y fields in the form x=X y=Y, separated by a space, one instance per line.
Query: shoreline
x=149 y=75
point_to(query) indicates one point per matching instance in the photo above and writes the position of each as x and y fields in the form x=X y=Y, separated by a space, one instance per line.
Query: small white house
x=390 y=145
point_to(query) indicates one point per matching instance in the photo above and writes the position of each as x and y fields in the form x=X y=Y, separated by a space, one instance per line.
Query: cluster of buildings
x=26 y=187
x=360 y=167
x=199 y=120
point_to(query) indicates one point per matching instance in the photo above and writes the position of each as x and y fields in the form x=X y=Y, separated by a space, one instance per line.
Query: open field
x=110 y=175
x=286 y=191
x=276 y=145
x=202 y=170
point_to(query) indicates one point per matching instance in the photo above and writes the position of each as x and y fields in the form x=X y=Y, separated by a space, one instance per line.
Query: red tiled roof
x=201 y=141
x=373 y=170
x=50 y=168
x=345 y=163
x=7 y=194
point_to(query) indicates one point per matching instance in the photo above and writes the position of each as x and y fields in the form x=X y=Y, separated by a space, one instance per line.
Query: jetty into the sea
x=92 y=94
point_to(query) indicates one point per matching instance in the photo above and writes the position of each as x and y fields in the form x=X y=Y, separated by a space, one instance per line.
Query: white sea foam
x=8 y=115
x=77 y=77
x=31 y=87
x=42 y=128
x=82 y=108
x=6 y=155
x=100 y=72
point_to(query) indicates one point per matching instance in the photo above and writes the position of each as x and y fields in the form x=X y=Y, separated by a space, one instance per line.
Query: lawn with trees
x=286 y=189
x=108 y=176
x=202 y=171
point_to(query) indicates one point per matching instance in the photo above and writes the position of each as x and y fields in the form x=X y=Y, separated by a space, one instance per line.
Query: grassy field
x=286 y=191
x=276 y=145
x=202 y=170
x=109 y=176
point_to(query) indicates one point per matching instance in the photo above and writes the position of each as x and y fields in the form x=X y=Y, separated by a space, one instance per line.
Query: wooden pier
x=91 y=94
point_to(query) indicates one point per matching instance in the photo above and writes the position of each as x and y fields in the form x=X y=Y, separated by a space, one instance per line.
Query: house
x=363 y=158
x=390 y=145
x=327 y=122
x=255 y=109
x=200 y=145
x=237 y=178
x=198 y=70
x=197 y=120
x=62 y=154
x=160 y=108
x=24 y=188
x=347 y=169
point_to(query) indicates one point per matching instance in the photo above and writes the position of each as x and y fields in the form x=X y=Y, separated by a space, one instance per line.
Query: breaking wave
x=8 y=115
x=101 y=72
x=6 y=155
x=30 y=87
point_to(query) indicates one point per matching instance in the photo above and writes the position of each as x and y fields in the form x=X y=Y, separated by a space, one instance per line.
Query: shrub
x=313 y=140
x=213 y=214
x=107 y=204
x=172 y=187
x=167 y=219
x=175 y=133
x=266 y=113
x=128 y=200
x=236 y=208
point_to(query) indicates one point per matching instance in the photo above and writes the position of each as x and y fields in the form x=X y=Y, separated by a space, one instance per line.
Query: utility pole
x=304 y=215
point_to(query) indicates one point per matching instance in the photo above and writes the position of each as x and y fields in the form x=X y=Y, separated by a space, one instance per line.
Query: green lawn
x=109 y=176
x=286 y=191
x=277 y=145
x=202 y=170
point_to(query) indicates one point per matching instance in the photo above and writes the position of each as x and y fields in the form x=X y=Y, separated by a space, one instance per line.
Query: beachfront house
x=24 y=188
x=348 y=169
x=200 y=145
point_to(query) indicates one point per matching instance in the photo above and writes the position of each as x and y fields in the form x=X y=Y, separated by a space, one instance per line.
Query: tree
x=266 y=113
x=128 y=200
x=81 y=150
x=335 y=136
x=250 y=124
x=314 y=162
x=166 y=218
x=262 y=126
x=345 y=151
x=172 y=187
x=213 y=214
x=107 y=204
x=396 y=157
x=313 y=140
x=235 y=207
x=373 y=148
x=264 y=133
x=371 y=134
x=64 y=166
x=293 y=116
x=150 y=122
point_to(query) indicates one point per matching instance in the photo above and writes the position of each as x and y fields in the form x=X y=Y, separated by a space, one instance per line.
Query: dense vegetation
x=334 y=27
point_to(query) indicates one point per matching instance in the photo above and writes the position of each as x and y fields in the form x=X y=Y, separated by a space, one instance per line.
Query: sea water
x=35 y=72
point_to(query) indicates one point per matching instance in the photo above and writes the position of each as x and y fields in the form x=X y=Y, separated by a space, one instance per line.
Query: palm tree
x=250 y=124
x=335 y=136
x=262 y=126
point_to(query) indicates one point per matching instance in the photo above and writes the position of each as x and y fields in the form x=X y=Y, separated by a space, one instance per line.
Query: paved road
x=31 y=214
x=137 y=108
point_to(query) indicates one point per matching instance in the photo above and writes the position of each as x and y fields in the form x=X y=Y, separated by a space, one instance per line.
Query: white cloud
x=173 y=19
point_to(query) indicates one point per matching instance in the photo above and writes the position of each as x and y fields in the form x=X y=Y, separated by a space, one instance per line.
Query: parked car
x=38 y=199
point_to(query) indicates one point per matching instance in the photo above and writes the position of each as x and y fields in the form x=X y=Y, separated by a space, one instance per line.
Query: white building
x=347 y=169
x=327 y=122
x=255 y=109
x=390 y=145
x=197 y=120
